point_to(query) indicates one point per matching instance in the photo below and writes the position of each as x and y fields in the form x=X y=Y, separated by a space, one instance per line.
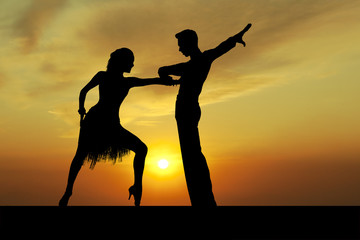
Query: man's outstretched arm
x=228 y=44
x=176 y=70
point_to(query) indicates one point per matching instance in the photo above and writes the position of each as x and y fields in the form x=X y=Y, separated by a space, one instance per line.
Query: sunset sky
x=280 y=118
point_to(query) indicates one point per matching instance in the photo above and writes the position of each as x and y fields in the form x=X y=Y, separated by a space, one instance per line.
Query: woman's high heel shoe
x=136 y=192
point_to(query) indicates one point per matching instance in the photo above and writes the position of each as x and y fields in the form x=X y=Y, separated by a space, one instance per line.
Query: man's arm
x=176 y=70
x=228 y=44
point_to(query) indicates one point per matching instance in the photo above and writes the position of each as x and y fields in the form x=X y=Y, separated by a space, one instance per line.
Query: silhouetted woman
x=101 y=134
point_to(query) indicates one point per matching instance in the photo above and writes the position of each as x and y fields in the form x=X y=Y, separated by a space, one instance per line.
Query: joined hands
x=168 y=81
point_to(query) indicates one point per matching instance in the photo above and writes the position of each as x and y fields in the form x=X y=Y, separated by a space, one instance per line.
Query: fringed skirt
x=101 y=137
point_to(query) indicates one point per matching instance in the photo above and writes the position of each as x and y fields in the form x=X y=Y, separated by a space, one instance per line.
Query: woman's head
x=121 y=60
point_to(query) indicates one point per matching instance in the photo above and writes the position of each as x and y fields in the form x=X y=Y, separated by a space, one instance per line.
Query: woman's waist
x=103 y=113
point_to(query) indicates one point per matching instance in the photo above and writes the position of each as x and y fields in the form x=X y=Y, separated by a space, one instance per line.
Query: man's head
x=187 y=41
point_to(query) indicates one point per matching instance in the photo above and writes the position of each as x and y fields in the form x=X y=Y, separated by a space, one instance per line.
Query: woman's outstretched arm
x=139 y=82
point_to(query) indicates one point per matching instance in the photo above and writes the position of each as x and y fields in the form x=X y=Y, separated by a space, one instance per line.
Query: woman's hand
x=82 y=112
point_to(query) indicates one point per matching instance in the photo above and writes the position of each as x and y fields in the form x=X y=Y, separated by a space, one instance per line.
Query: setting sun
x=163 y=163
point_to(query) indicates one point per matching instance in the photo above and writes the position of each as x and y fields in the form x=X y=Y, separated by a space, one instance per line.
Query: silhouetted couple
x=102 y=137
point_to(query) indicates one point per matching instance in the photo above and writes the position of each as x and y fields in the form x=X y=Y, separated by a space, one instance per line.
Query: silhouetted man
x=187 y=113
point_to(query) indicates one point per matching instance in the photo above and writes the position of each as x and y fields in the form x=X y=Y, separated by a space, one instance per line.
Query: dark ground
x=181 y=222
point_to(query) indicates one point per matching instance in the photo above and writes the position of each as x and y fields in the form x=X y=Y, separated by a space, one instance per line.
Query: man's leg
x=195 y=166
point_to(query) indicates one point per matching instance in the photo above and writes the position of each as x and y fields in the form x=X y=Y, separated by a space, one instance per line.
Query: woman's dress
x=101 y=134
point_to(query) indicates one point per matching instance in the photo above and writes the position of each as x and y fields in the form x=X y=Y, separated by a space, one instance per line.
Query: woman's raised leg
x=140 y=149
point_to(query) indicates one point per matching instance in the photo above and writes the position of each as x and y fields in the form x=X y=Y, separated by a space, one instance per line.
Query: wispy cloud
x=148 y=29
x=70 y=58
x=36 y=18
x=3 y=79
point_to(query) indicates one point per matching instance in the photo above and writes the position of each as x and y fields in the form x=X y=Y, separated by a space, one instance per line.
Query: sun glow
x=163 y=163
